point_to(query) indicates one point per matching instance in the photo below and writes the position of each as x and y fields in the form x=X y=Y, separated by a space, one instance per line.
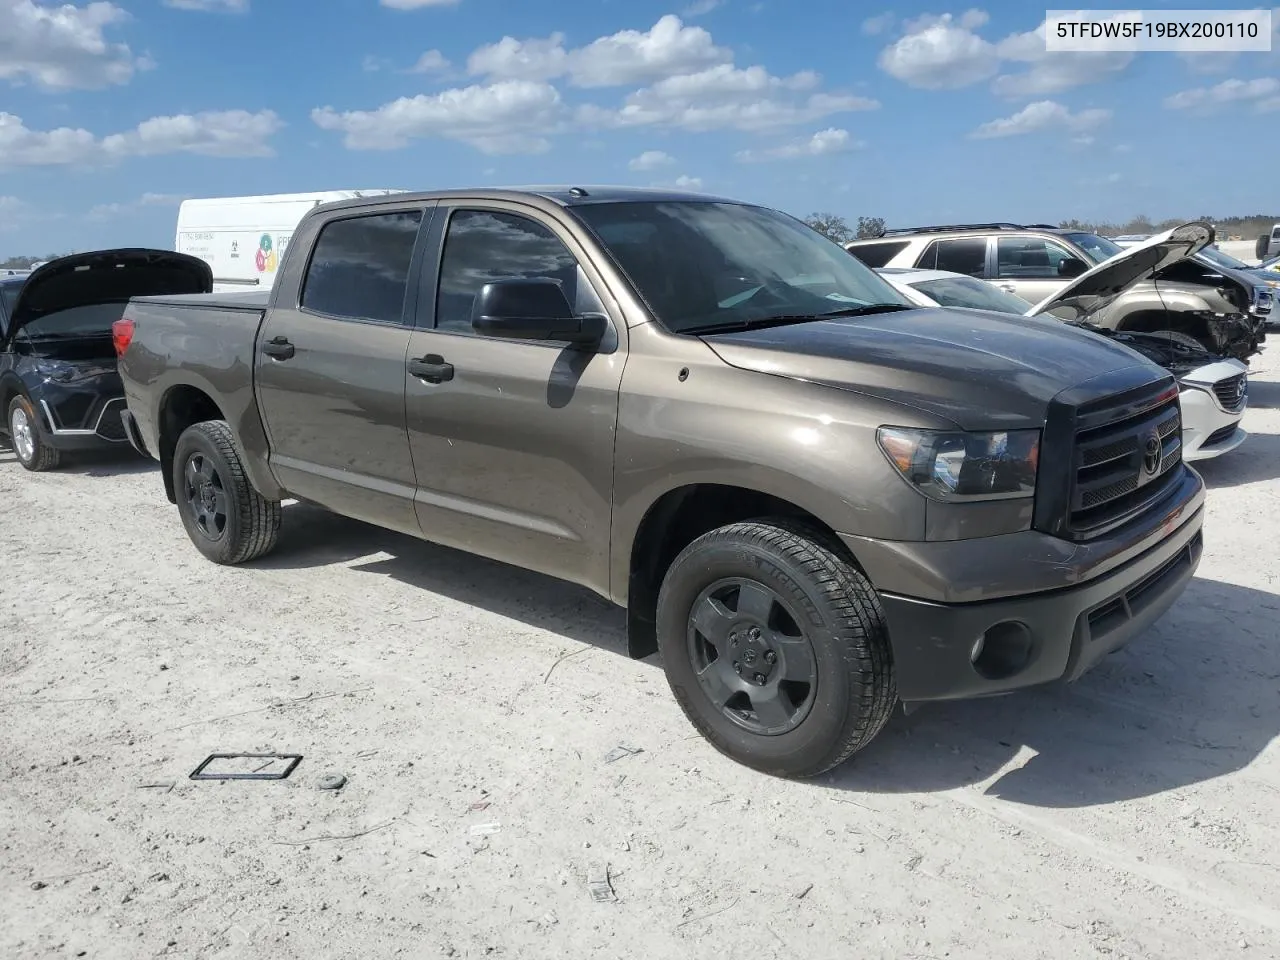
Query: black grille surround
x=1108 y=455
x=1222 y=433
x=1232 y=392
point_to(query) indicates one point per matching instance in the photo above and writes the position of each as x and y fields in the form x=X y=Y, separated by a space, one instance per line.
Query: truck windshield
x=1220 y=259
x=702 y=265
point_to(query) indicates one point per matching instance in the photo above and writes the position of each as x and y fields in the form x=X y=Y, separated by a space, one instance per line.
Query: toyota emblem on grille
x=1151 y=454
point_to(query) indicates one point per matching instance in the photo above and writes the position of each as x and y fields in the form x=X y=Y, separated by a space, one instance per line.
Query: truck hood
x=106 y=276
x=978 y=369
x=1094 y=289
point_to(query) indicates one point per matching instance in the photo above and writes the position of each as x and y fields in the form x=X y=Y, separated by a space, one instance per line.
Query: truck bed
x=252 y=300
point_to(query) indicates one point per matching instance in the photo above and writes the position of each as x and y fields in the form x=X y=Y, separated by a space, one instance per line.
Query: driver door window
x=482 y=246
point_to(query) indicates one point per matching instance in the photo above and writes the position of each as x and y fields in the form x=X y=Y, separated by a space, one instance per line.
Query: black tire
x=31 y=450
x=226 y=518
x=815 y=590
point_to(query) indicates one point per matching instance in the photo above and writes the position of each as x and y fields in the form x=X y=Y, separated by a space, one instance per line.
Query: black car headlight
x=958 y=466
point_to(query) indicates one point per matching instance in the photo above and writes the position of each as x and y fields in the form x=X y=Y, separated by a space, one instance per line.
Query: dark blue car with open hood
x=59 y=389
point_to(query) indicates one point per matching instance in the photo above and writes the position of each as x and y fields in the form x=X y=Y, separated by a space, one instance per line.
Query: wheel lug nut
x=755 y=633
x=733 y=639
x=737 y=666
x=770 y=657
x=760 y=678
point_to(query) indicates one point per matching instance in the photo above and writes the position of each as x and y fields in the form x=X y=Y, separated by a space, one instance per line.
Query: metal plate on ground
x=246 y=766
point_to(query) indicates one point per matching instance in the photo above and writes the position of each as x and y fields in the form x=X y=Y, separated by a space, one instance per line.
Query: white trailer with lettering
x=243 y=238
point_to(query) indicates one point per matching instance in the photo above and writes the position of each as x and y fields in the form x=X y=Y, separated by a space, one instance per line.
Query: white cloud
x=64 y=47
x=651 y=160
x=1041 y=116
x=1052 y=72
x=823 y=143
x=668 y=48
x=512 y=116
x=726 y=97
x=938 y=52
x=941 y=52
x=685 y=182
x=433 y=61
x=230 y=133
x=211 y=6
x=416 y=4
x=1226 y=92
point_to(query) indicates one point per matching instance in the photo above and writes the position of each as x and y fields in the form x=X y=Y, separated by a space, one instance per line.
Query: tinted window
x=482 y=247
x=1028 y=258
x=703 y=265
x=91 y=320
x=8 y=297
x=878 y=254
x=969 y=292
x=360 y=267
x=966 y=255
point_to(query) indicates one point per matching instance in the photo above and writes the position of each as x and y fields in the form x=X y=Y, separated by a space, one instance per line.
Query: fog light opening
x=1003 y=650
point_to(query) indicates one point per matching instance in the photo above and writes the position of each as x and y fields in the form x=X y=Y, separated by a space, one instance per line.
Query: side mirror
x=532 y=309
x=1072 y=267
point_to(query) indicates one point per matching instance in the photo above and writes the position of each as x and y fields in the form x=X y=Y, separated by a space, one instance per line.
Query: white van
x=243 y=238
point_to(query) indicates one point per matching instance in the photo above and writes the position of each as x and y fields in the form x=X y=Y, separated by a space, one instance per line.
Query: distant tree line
x=839 y=229
x=24 y=263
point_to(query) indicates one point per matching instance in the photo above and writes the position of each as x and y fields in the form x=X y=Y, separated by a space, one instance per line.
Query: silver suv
x=1222 y=310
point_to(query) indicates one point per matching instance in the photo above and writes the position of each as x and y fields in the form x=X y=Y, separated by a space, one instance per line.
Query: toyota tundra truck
x=814 y=499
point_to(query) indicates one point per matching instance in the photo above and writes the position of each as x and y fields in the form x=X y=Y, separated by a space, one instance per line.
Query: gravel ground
x=473 y=710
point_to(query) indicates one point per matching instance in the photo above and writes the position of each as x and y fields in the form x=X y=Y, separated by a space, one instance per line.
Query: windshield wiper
x=782 y=319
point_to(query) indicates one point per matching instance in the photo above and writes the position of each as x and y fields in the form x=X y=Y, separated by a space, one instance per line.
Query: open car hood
x=106 y=276
x=1093 y=290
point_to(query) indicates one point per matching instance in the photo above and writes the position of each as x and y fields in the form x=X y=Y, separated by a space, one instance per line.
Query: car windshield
x=1220 y=259
x=706 y=265
x=971 y=292
x=1098 y=248
x=91 y=320
x=1272 y=264
x=9 y=295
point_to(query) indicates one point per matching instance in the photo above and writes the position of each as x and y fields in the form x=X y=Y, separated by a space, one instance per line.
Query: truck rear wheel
x=776 y=647
x=226 y=518
x=24 y=435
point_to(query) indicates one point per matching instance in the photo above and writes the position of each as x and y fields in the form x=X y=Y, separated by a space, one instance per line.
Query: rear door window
x=1029 y=258
x=967 y=255
x=359 y=269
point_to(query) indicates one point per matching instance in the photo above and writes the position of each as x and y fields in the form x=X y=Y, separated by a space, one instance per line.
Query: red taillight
x=122 y=335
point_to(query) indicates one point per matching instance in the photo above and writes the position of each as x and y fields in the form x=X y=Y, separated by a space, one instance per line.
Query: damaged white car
x=1214 y=391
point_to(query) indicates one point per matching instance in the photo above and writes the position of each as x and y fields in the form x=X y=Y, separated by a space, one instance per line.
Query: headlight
x=959 y=466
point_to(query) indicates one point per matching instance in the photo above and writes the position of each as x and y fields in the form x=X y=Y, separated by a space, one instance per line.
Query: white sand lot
x=1136 y=814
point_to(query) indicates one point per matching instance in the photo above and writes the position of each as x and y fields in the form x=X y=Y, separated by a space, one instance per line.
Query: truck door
x=330 y=367
x=512 y=440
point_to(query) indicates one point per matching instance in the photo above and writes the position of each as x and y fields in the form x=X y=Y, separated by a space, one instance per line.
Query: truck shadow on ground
x=1255 y=460
x=1191 y=700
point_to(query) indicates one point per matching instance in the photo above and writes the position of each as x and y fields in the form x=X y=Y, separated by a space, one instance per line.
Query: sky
x=113 y=111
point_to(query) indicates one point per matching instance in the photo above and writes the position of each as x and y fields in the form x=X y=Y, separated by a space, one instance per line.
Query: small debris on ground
x=620 y=751
x=599 y=884
x=331 y=781
x=485 y=829
x=39 y=885
x=804 y=893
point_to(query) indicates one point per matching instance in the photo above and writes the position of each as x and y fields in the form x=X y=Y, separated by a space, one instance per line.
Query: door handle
x=431 y=368
x=1008 y=288
x=279 y=348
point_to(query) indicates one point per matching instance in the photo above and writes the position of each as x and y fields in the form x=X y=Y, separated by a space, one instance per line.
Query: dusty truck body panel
x=689 y=405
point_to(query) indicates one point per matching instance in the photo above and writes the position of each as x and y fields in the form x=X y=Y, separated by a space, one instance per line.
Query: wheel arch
x=674 y=520
x=181 y=406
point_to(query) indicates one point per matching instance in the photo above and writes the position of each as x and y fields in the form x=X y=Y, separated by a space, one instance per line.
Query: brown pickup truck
x=815 y=499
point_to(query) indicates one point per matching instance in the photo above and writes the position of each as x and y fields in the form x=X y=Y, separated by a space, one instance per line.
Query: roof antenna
x=577 y=192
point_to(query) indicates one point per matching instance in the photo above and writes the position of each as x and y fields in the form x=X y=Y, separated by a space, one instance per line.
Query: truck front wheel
x=226 y=518
x=775 y=647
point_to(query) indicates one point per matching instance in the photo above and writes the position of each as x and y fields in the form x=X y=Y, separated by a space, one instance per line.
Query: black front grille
x=1231 y=392
x=110 y=426
x=1125 y=460
x=1222 y=433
